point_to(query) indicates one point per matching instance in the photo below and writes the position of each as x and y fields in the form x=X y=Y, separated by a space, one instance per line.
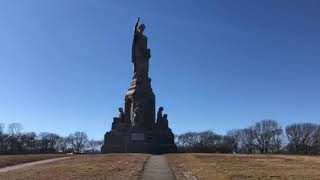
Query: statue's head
x=120 y=109
x=141 y=28
x=160 y=108
x=165 y=116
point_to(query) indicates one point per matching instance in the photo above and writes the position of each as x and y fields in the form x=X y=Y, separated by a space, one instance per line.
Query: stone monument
x=136 y=129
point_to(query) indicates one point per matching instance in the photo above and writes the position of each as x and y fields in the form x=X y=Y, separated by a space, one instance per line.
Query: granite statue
x=137 y=129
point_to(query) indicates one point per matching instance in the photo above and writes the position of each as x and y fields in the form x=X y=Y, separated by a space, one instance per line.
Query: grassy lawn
x=241 y=167
x=9 y=160
x=111 y=166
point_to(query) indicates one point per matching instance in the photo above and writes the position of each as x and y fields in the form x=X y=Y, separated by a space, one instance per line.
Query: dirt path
x=157 y=168
x=24 y=165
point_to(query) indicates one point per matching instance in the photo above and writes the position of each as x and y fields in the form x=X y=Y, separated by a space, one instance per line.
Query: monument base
x=153 y=141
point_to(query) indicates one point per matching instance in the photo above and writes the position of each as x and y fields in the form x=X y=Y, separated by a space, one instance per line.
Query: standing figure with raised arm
x=140 y=51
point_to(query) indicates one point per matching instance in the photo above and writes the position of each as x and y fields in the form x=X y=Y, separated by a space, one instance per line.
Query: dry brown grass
x=9 y=160
x=83 y=167
x=240 y=167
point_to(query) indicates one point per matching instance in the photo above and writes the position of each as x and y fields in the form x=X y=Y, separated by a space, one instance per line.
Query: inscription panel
x=137 y=136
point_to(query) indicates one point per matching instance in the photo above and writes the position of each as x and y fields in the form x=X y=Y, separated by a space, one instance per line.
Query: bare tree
x=1 y=128
x=14 y=132
x=14 y=129
x=2 y=138
x=309 y=136
x=206 y=141
x=62 y=145
x=302 y=137
x=294 y=135
x=78 y=141
x=94 y=146
x=28 y=142
x=15 y=141
x=316 y=145
x=188 y=139
x=233 y=137
x=277 y=143
x=265 y=132
x=48 y=141
x=247 y=139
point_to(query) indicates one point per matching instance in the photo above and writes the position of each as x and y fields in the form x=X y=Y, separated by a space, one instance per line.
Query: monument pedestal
x=151 y=141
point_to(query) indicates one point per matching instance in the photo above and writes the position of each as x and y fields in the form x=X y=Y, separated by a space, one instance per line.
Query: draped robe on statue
x=140 y=54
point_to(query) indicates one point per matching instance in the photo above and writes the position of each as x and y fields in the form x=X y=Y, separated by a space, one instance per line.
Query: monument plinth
x=137 y=129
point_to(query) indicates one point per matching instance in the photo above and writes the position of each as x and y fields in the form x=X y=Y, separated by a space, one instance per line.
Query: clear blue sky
x=65 y=65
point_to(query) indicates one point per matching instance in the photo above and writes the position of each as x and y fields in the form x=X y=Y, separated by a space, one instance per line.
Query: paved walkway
x=157 y=168
x=24 y=165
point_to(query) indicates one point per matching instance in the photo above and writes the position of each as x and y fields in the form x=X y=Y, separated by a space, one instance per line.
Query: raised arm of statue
x=134 y=41
x=136 y=26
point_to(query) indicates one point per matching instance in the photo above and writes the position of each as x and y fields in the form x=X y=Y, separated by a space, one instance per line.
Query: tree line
x=14 y=141
x=264 y=137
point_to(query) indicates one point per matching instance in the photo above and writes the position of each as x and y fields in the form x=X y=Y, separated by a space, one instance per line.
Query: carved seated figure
x=115 y=123
x=163 y=122
x=121 y=115
x=118 y=121
x=159 y=114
